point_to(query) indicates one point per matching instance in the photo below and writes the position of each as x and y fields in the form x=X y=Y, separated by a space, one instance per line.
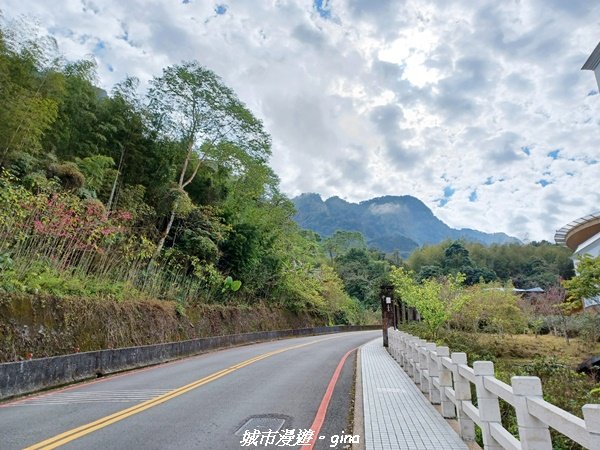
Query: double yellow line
x=75 y=433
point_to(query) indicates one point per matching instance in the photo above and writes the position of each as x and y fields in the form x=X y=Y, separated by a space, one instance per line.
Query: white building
x=593 y=63
x=583 y=237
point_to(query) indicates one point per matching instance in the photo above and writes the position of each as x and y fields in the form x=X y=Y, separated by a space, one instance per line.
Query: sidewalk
x=396 y=414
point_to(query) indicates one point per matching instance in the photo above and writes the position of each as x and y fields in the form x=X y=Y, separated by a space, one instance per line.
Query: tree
x=456 y=257
x=587 y=282
x=436 y=300
x=362 y=274
x=190 y=105
x=29 y=94
x=551 y=308
x=342 y=241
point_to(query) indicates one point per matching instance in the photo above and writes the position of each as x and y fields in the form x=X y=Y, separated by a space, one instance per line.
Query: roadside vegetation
x=545 y=334
x=163 y=195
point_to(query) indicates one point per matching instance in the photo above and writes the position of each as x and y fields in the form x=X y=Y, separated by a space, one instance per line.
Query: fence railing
x=445 y=378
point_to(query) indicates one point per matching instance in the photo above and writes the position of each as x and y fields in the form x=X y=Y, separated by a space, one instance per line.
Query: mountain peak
x=390 y=223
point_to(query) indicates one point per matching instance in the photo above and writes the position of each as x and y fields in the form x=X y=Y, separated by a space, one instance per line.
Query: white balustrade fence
x=445 y=378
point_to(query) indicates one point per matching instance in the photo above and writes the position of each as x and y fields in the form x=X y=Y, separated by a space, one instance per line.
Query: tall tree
x=30 y=90
x=191 y=105
x=342 y=241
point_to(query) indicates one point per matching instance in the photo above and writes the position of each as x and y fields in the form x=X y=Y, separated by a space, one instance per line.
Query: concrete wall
x=25 y=377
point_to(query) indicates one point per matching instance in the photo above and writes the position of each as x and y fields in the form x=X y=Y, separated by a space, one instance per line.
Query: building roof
x=594 y=60
x=575 y=233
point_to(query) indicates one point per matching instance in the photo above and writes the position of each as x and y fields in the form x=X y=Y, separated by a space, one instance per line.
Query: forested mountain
x=389 y=223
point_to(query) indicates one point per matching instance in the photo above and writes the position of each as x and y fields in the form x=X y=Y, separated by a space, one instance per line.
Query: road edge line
x=324 y=405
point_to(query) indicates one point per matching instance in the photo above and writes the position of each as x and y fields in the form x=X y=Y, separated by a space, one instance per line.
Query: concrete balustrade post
x=487 y=403
x=425 y=376
x=417 y=361
x=391 y=343
x=402 y=350
x=407 y=356
x=423 y=384
x=434 y=374
x=411 y=356
x=591 y=415
x=412 y=362
x=445 y=376
x=462 y=390
x=533 y=433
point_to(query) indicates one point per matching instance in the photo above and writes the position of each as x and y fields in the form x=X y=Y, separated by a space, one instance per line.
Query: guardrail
x=445 y=378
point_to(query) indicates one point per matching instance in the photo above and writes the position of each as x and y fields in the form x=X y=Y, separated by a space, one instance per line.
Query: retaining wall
x=25 y=377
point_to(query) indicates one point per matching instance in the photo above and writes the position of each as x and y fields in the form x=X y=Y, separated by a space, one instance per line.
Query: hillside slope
x=390 y=223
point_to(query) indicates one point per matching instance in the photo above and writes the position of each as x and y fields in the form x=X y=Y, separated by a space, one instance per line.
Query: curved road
x=203 y=402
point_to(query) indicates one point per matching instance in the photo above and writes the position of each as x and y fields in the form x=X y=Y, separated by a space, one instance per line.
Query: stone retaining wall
x=25 y=377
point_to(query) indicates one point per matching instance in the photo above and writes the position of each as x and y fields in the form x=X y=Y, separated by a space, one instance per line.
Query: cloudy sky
x=482 y=112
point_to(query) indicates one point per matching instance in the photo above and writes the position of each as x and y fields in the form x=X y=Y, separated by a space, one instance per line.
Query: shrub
x=491 y=309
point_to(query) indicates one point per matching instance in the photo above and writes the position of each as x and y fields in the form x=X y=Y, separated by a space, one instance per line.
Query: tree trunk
x=185 y=163
x=114 y=186
x=165 y=233
x=163 y=237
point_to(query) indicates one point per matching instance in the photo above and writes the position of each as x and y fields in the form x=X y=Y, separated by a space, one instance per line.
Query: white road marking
x=116 y=396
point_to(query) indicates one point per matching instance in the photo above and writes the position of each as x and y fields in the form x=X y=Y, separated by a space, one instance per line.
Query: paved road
x=196 y=403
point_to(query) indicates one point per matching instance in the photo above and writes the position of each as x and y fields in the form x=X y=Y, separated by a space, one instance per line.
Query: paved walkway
x=396 y=414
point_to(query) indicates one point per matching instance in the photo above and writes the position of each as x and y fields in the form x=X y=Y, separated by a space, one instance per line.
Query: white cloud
x=387 y=97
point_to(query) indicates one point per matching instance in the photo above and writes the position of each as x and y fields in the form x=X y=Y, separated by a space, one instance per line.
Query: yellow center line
x=78 y=432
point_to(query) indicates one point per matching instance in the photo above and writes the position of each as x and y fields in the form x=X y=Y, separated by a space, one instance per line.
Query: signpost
x=388 y=311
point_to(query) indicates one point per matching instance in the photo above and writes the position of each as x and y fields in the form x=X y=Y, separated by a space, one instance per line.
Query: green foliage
x=538 y=264
x=163 y=196
x=435 y=300
x=29 y=95
x=587 y=282
x=231 y=285
x=362 y=273
x=491 y=309
x=99 y=174
x=343 y=241
x=69 y=175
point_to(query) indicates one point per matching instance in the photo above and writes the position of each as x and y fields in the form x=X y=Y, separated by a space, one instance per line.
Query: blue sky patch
x=448 y=191
x=543 y=182
x=473 y=196
x=323 y=7
x=99 y=48
x=526 y=150
x=221 y=9
x=489 y=181
x=554 y=153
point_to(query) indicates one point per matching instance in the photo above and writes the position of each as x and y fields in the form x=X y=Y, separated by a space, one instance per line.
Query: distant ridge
x=390 y=223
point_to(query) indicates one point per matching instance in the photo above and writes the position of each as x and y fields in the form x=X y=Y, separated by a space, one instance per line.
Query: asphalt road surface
x=213 y=401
